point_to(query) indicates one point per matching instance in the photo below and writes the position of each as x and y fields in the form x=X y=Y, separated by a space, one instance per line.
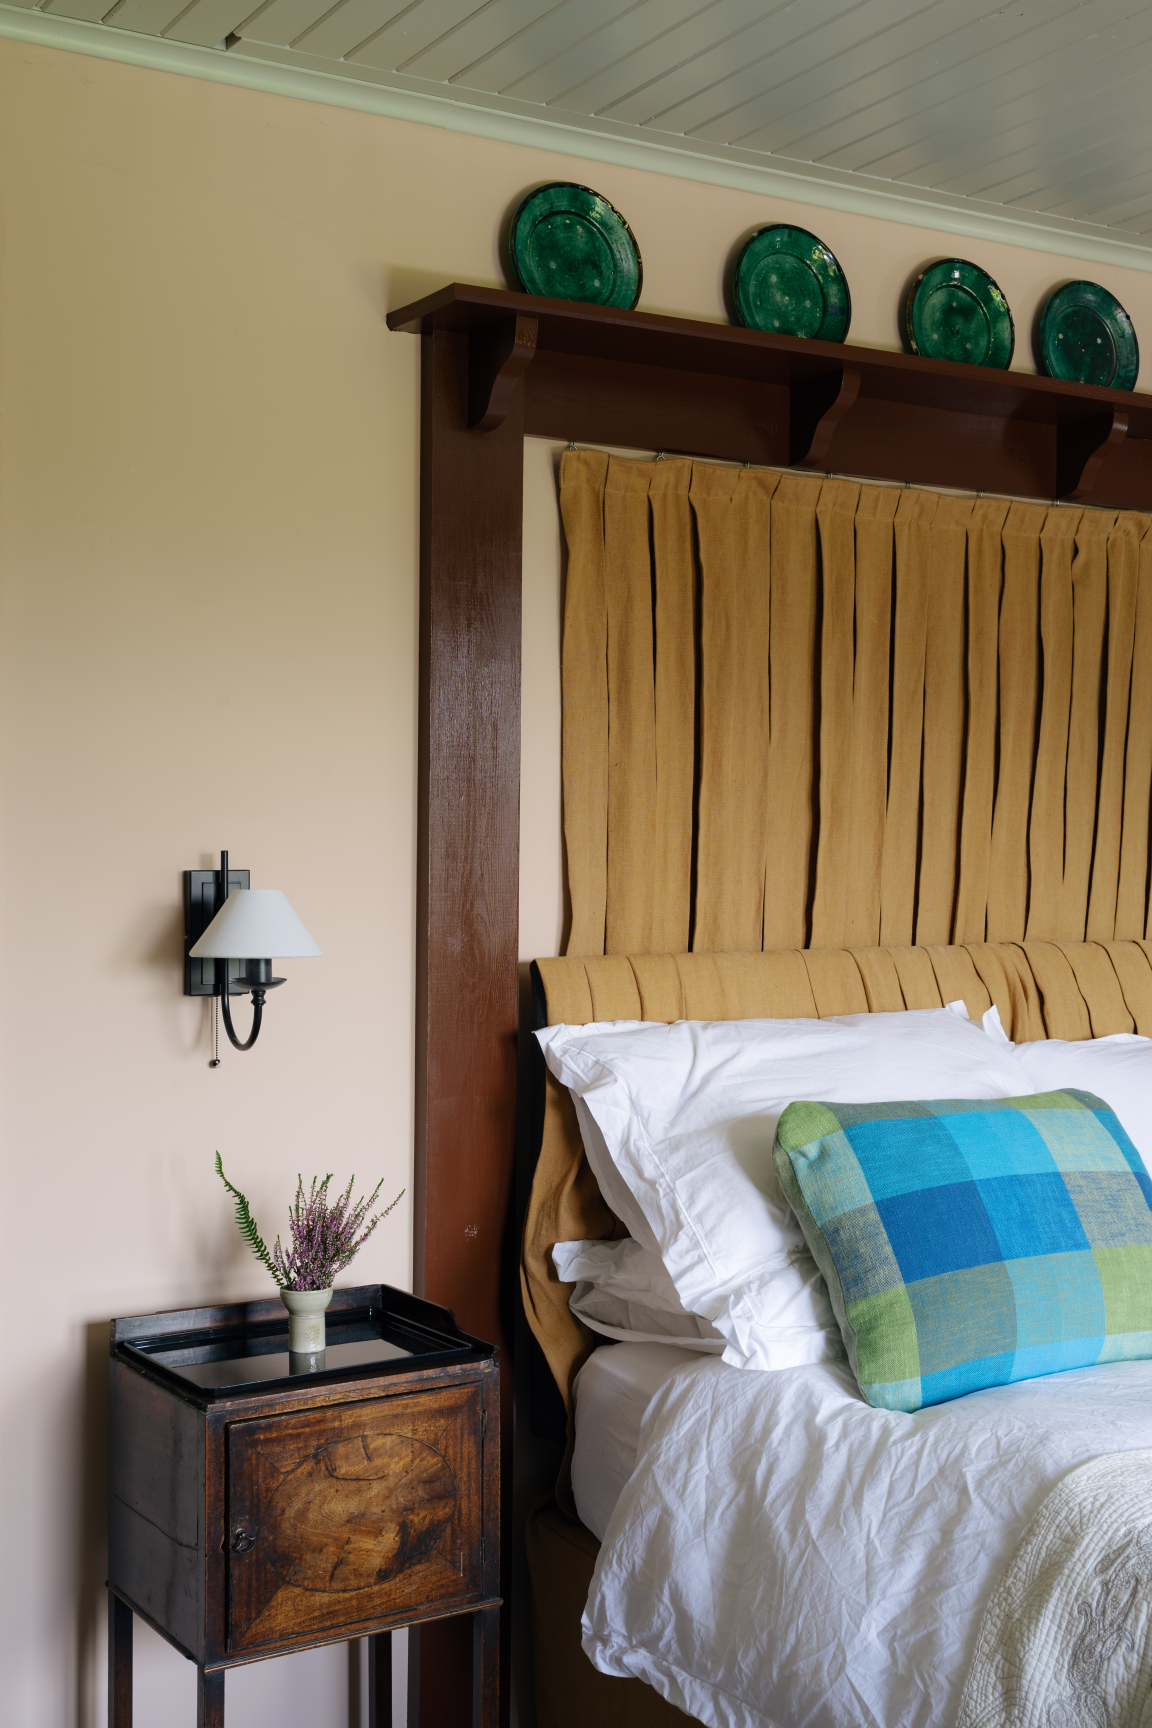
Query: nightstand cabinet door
x=353 y=1514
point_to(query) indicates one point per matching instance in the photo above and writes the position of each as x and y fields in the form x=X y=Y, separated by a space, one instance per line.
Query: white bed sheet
x=785 y=1556
x=612 y=1392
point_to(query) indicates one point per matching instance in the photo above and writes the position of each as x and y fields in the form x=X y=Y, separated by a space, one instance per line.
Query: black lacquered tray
x=230 y=1355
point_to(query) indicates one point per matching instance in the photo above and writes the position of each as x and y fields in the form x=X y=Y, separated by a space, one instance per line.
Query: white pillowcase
x=616 y=1192
x=623 y=1291
x=803 y=1307
x=687 y=1115
x=1117 y=1069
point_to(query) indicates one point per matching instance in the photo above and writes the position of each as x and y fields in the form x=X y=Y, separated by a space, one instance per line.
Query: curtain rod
x=858 y=479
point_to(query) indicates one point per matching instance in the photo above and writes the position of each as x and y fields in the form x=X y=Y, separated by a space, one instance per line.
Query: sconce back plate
x=200 y=907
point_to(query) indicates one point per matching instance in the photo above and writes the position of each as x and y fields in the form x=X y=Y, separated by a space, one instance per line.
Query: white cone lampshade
x=252 y=924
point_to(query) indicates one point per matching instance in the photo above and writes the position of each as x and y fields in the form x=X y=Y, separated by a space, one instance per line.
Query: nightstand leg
x=119 y=1663
x=380 y=1680
x=486 y=1668
x=210 y=1699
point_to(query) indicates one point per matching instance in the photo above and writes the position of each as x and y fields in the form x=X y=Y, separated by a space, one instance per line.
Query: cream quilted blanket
x=1066 y=1639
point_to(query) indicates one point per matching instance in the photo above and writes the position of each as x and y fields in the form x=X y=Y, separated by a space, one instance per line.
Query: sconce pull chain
x=215 y=1062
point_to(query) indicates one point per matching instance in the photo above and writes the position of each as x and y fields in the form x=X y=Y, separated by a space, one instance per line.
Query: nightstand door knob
x=242 y=1540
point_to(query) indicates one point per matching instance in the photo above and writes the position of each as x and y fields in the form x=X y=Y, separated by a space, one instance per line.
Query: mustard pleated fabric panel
x=675 y=671
x=584 y=684
x=1019 y=685
x=791 y=834
x=1123 y=570
x=868 y=777
x=805 y=713
x=985 y=562
x=945 y=700
x=1046 y=832
x=836 y=513
x=1089 y=622
x=1134 y=833
x=906 y=722
x=631 y=710
x=732 y=508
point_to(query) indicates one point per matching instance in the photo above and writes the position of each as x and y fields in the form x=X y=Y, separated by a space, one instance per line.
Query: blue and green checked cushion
x=970 y=1242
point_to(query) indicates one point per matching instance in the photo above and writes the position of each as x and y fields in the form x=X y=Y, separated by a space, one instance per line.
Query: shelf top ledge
x=697 y=345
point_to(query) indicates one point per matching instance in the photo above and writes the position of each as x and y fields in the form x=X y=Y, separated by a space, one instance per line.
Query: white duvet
x=785 y=1555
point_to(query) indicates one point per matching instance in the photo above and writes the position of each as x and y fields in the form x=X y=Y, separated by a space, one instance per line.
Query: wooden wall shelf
x=638 y=379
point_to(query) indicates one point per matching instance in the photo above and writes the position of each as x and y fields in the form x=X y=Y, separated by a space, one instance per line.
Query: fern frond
x=247 y=1224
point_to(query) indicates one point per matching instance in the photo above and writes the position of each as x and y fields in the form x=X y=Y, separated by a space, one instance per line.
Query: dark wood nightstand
x=254 y=1511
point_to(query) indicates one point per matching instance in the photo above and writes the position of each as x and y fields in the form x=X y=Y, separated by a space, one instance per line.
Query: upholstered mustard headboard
x=1067 y=990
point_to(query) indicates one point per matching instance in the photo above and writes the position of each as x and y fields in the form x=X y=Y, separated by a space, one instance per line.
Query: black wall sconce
x=226 y=923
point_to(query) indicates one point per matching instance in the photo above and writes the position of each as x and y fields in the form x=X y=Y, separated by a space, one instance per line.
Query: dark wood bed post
x=471 y=510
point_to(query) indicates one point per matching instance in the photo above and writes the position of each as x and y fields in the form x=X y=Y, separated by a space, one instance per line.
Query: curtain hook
x=659 y=457
x=571 y=443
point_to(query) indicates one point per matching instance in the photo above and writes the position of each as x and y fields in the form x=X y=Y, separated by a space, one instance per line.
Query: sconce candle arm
x=257 y=1015
x=257 y=978
x=257 y=994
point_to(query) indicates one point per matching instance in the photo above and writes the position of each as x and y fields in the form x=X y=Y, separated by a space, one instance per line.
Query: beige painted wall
x=208 y=630
x=542 y=901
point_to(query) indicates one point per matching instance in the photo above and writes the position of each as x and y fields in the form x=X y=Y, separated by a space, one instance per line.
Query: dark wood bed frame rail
x=497 y=366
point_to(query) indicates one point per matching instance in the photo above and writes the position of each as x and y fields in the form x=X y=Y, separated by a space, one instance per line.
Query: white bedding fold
x=785 y=1556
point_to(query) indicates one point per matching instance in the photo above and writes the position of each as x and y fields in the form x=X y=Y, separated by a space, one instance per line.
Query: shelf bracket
x=1082 y=449
x=816 y=412
x=498 y=357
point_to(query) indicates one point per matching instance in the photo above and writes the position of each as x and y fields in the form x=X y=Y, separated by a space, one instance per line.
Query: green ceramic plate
x=1086 y=336
x=570 y=244
x=956 y=312
x=787 y=280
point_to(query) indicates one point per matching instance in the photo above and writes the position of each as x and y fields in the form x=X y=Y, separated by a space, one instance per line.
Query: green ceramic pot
x=306 y=1329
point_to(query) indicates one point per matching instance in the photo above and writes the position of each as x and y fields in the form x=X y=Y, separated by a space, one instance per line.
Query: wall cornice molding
x=254 y=66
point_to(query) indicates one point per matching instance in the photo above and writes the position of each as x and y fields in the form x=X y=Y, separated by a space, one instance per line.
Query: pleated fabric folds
x=812 y=713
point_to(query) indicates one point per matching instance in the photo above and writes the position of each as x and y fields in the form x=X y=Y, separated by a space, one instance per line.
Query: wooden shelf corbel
x=498 y=357
x=1082 y=449
x=816 y=411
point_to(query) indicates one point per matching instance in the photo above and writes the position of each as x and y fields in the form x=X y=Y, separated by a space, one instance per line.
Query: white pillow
x=623 y=1291
x=804 y=1327
x=688 y=1114
x=1117 y=1069
x=616 y=1192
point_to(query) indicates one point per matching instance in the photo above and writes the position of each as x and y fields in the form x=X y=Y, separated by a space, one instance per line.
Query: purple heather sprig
x=324 y=1237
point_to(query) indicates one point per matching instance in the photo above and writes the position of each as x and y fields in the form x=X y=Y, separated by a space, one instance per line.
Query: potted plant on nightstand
x=324 y=1236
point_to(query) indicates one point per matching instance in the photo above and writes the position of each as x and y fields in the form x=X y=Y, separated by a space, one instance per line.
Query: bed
x=800 y=712
x=835 y=1485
